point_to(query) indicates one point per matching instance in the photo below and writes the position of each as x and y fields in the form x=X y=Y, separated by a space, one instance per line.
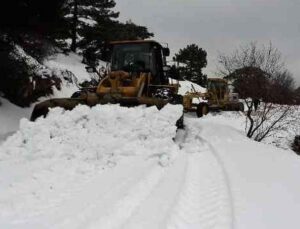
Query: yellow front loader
x=136 y=77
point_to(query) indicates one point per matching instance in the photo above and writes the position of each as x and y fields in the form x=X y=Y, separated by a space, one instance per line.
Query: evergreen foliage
x=94 y=22
x=21 y=80
x=84 y=16
x=194 y=59
x=40 y=28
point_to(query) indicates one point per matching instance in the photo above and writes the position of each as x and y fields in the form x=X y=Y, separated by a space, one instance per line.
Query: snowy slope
x=71 y=62
x=10 y=115
x=282 y=138
x=114 y=167
x=62 y=64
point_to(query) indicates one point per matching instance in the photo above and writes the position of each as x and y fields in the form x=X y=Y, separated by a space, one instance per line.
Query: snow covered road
x=210 y=176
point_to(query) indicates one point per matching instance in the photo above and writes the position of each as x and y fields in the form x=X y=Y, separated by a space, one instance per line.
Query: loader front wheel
x=202 y=109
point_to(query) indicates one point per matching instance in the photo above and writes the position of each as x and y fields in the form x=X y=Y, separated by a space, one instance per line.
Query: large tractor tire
x=177 y=99
x=202 y=109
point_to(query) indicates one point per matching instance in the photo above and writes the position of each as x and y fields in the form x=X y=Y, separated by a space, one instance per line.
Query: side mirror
x=90 y=69
x=166 y=51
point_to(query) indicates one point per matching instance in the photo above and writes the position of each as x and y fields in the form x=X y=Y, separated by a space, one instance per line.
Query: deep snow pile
x=10 y=115
x=73 y=157
x=95 y=133
x=187 y=86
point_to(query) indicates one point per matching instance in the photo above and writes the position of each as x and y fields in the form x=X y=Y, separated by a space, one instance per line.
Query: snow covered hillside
x=116 y=167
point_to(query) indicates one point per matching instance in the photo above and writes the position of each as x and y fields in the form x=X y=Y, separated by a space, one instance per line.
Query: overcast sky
x=221 y=25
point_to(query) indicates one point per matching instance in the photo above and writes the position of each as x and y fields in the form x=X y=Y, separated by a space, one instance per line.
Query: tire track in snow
x=205 y=200
x=154 y=210
x=227 y=181
x=125 y=207
x=95 y=197
x=145 y=197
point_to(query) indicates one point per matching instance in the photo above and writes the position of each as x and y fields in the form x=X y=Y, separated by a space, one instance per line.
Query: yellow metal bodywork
x=117 y=87
x=188 y=100
x=218 y=96
x=122 y=83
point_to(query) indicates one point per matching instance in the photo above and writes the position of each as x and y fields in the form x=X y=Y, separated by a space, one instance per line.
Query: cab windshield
x=216 y=85
x=132 y=58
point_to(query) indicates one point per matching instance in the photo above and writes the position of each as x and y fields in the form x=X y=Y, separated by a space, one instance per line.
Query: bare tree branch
x=259 y=76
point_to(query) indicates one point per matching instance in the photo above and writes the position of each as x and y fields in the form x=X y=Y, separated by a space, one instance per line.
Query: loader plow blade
x=42 y=108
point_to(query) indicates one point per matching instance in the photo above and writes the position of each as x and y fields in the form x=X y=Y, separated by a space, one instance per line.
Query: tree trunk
x=249 y=113
x=74 y=26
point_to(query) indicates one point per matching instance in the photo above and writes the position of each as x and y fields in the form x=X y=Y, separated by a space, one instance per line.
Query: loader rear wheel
x=202 y=109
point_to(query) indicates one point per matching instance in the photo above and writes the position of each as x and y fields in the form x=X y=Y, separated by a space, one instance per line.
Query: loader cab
x=140 y=56
x=217 y=87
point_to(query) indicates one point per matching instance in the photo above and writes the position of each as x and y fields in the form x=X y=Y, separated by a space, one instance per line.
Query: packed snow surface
x=116 y=167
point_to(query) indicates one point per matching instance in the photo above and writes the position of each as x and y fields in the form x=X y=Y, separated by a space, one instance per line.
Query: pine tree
x=194 y=59
x=131 y=31
x=85 y=16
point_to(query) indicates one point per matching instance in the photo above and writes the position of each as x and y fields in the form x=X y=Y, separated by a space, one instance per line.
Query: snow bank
x=10 y=115
x=95 y=133
x=281 y=138
x=48 y=162
x=284 y=137
x=187 y=86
